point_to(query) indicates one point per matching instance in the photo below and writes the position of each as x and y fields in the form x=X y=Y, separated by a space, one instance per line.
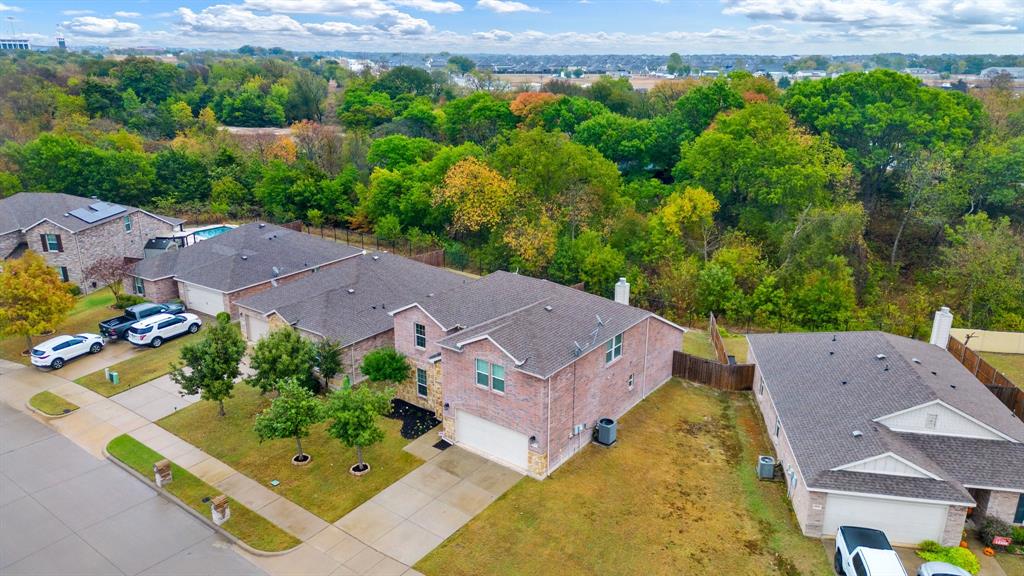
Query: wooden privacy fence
x=996 y=382
x=715 y=374
x=716 y=339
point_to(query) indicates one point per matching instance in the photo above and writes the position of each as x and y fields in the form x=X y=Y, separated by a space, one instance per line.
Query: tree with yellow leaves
x=33 y=299
x=532 y=241
x=478 y=195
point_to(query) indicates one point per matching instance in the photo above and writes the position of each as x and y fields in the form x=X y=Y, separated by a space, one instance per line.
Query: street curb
x=48 y=416
x=175 y=500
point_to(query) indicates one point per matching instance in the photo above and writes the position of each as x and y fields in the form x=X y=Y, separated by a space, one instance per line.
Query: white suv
x=154 y=330
x=56 y=351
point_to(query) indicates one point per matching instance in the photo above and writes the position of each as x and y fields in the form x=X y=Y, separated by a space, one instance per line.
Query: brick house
x=72 y=232
x=520 y=369
x=877 y=430
x=349 y=303
x=212 y=275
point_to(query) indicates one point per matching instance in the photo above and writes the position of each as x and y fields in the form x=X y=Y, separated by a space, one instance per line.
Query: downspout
x=548 y=450
x=574 y=407
x=647 y=337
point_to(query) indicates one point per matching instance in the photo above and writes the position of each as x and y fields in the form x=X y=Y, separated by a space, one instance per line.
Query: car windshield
x=37 y=352
x=143 y=330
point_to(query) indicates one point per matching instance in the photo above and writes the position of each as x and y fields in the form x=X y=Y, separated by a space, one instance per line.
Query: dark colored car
x=115 y=328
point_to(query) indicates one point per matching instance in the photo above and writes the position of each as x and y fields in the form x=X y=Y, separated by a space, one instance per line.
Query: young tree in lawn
x=290 y=415
x=385 y=365
x=353 y=414
x=110 y=272
x=327 y=359
x=33 y=299
x=280 y=355
x=212 y=363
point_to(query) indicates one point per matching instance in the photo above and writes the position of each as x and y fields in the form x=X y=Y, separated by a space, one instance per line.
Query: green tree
x=621 y=139
x=385 y=365
x=295 y=410
x=477 y=118
x=615 y=93
x=398 y=151
x=280 y=355
x=461 y=64
x=213 y=364
x=181 y=175
x=353 y=414
x=306 y=97
x=10 y=184
x=33 y=299
x=328 y=358
x=699 y=106
x=674 y=65
x=402 y=80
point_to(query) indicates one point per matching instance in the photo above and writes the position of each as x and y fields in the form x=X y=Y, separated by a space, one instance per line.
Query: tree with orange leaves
x=526 y=104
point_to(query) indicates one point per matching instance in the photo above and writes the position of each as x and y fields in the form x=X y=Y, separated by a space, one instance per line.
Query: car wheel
x=57 y=363
x=157 y=342
x=839 y=564
x=193 y=329
x=95 y=348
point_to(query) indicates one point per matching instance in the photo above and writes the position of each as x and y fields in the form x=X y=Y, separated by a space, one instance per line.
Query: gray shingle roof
x=25 y=209
x=513 y=311
x=974 y=461
x=804 y=373
x=321 y=303
x=244 y=256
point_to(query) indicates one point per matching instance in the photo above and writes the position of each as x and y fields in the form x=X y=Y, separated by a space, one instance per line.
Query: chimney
x=622 y=291
x=941 y=326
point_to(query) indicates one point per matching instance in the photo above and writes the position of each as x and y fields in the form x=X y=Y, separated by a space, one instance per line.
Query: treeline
x=863 y=201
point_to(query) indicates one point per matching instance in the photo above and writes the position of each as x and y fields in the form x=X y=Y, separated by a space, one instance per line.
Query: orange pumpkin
x=963 y=544
x=989 y=552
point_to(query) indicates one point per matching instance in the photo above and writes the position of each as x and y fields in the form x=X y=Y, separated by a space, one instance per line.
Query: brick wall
x=10 y=241
x=164 y=290
x=998 y=504
x=352 y=355
x=403 y=339
x=955 y=517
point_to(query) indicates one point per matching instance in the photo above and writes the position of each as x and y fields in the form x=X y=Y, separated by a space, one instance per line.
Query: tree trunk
x=28 y=340
x=222 y=413
x=359 y=455
x=899 y=233
x=298 y=443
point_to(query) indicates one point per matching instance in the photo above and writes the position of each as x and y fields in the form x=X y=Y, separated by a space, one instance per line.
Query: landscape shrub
x=932 y=551
x=74 y=290
x=125 y=300
x=990 y=527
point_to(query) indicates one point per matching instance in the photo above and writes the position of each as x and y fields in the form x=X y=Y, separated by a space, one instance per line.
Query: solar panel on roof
x=97 y=211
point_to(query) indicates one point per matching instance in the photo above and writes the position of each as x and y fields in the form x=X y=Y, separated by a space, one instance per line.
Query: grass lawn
x=676 y=495
x=324 y=486
x=49 y=403
x=88 y=312
x=1012 y=565
x=245 y=524
x=1012 y=365
x=698 y=343
x=145 y=365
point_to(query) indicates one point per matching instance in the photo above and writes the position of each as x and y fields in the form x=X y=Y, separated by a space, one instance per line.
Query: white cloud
x=222 y=18
x=886 y=14
x=505 y=6
x=77 y=12
x=99 y=27
x=435 y=6
x=8 y=8
x=125 y=14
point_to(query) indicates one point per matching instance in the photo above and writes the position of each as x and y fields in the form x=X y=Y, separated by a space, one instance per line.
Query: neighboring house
x=882 y=431
x=520 y=370
x=212 y=275
x=72 y=232
x=1015 y=72
x=349 y=303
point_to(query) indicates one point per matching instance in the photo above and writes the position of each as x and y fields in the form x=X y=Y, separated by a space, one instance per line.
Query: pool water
x=211 y=232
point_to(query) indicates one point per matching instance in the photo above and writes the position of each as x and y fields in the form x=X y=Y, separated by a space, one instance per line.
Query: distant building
x=1017 y=72
x=919 y=71
x=14 y=44
x=710 y=73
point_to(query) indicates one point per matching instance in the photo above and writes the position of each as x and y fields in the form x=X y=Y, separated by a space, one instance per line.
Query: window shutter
x=60 y=245
x=42 y=240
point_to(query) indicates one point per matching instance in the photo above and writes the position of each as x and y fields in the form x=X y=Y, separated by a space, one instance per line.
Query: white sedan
x=153 y=331
x=55 y=352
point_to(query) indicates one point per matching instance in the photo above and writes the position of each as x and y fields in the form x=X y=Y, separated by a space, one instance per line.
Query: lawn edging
x=47 y=415
x=196 y=514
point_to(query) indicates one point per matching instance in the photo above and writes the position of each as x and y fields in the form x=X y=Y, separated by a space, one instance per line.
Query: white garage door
x=256 y=327
x=204 y=299
x=492 y=440
x=906 y=523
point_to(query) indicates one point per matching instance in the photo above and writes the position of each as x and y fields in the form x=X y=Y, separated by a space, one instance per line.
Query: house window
x=421 y=335
x=140 y=287
x=127 y=223
x=421 y=382
x=52 y=243
x=490 y=376
x=629 y=382
x=1018 y=518
x=482 y=370
x=930 y=421
x=613 y=349
x=63 y=271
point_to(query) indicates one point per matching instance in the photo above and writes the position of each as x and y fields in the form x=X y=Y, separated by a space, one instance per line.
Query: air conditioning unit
x=606 y=431
x=765 y=467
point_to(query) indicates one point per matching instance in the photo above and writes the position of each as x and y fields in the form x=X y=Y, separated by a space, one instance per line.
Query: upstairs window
x=498 y=378
x=490 y=376
x=421 y=382
x=63 y=271
x=127 y=223
x=421 y=335
x=482 y=373
x=140 y=287
x=52 y=243
x=613 y=349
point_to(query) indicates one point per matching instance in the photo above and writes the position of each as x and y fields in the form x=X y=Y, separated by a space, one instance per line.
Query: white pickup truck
x=865 y=552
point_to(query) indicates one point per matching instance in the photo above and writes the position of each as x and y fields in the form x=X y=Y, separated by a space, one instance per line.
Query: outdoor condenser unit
x=765 y=467
x=606 y=431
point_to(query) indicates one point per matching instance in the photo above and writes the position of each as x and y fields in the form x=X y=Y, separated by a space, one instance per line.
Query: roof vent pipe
x=941 y=326
x=857 y=433
x=622 y=291
x=262 y=225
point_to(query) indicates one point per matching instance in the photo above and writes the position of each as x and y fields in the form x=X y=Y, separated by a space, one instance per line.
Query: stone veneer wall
x=955 y=517
x=997 y=504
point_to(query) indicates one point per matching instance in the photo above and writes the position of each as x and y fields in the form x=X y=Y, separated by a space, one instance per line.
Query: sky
x=533 y=26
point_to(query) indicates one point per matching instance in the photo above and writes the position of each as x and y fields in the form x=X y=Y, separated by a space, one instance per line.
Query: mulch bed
x=416 y=421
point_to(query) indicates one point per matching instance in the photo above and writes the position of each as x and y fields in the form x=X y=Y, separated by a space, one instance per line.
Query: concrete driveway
x=113 y=352
x=64 y=511
x=911 y=561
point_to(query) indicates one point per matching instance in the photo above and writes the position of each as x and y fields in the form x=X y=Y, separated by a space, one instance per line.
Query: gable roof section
x=26 y=209
x=512 y=311
x=804 y=374
x=321 y=303
x=243 y=257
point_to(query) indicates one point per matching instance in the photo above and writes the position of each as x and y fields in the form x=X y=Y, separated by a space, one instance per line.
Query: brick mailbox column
x=162 y=472
x=219 y=509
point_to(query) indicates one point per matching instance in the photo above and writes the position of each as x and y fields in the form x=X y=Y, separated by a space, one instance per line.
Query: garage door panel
x=204 y=299
x=256 y=327
x=491 y=439
x=904 y=523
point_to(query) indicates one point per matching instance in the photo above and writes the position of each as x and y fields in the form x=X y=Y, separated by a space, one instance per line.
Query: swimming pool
x=211 y=232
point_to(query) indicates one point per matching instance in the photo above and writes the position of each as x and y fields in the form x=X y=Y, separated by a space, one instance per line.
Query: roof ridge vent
x=351 y=290
x=880 y=356
x=244 y=257
x=857 y=433
x=548 y=308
